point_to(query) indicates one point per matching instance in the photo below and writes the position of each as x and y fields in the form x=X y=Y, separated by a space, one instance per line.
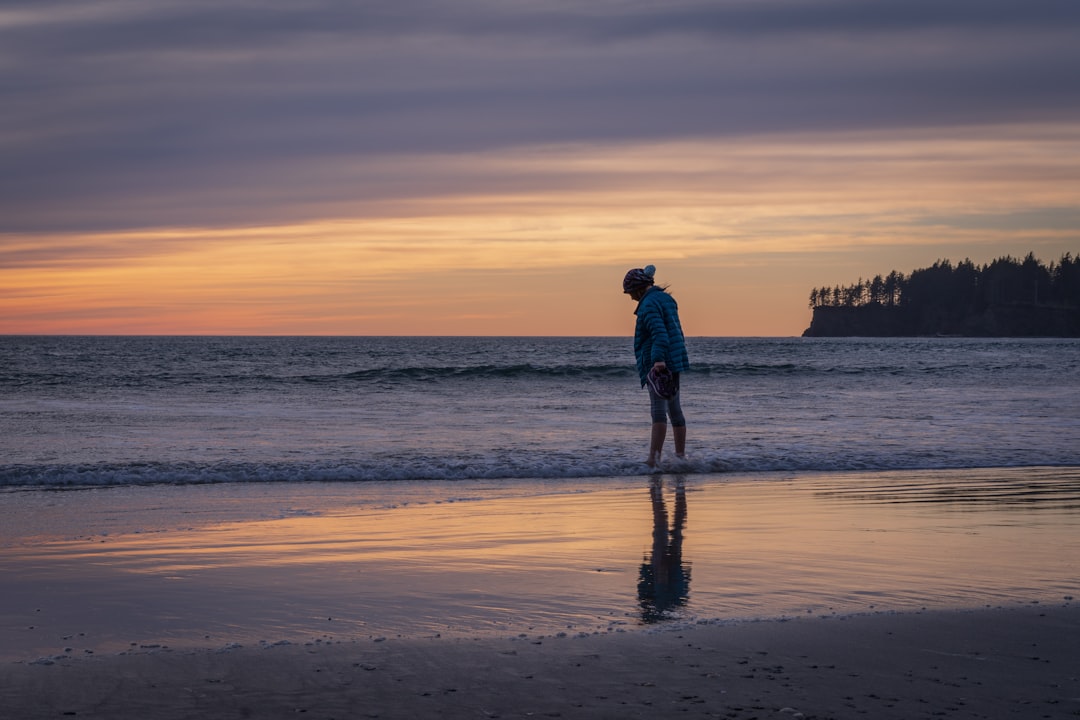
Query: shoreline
x=988 y=663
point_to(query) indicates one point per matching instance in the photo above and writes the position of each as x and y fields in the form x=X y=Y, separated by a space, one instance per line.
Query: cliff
x=876 y=320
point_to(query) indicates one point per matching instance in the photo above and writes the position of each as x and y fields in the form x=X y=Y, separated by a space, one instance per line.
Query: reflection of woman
x=664 y=582
x=658 y=344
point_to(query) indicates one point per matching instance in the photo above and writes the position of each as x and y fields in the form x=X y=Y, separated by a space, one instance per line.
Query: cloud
x=104 y=26
x=566 y=205
x=432 y=166
x=129 y=113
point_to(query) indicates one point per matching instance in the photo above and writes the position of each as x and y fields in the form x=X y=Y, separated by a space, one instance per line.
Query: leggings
x=661 y=408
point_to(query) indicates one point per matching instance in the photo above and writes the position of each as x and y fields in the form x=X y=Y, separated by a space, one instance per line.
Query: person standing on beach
x=658 y=345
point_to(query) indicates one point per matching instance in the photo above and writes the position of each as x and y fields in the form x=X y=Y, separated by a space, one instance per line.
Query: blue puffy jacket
x=658 y=334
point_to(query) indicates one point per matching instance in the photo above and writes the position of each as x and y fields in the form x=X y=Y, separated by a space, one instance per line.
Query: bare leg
x=679 y=434
x=656 y=443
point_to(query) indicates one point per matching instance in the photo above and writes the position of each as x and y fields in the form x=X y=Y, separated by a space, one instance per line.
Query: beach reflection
x=664 y=579
x=244 y=563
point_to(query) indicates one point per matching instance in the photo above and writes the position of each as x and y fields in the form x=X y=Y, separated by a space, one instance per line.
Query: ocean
x=107 y=411
x=209 y=491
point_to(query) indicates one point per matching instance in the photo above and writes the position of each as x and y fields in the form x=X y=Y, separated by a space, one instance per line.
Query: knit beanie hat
x=638 y=277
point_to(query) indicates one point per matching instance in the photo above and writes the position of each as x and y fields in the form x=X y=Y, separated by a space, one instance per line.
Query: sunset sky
x=493 y=167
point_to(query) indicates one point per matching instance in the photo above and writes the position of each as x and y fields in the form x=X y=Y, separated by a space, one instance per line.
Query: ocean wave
x=381 y=375
x=90 y=475
x=422 y=374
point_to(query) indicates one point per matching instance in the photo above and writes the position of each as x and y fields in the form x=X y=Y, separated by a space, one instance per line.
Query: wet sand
x=915 y=594
x=1020 y=663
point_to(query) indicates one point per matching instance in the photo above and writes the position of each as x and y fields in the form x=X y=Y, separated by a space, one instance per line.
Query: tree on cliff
x=1006 y=296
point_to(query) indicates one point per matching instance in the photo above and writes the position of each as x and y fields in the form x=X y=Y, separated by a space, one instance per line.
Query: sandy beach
x=1018 y=663
x=906 y=594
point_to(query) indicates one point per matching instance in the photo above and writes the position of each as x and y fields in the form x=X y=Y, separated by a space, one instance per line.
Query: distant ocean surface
x=105 y=411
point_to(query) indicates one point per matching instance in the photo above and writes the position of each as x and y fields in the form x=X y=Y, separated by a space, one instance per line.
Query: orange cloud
x=747 y=223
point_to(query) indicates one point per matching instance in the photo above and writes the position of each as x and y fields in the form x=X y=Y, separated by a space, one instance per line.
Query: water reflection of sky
x=343 y=561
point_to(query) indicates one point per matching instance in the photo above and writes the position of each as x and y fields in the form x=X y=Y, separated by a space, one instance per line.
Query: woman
x=659 y=345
